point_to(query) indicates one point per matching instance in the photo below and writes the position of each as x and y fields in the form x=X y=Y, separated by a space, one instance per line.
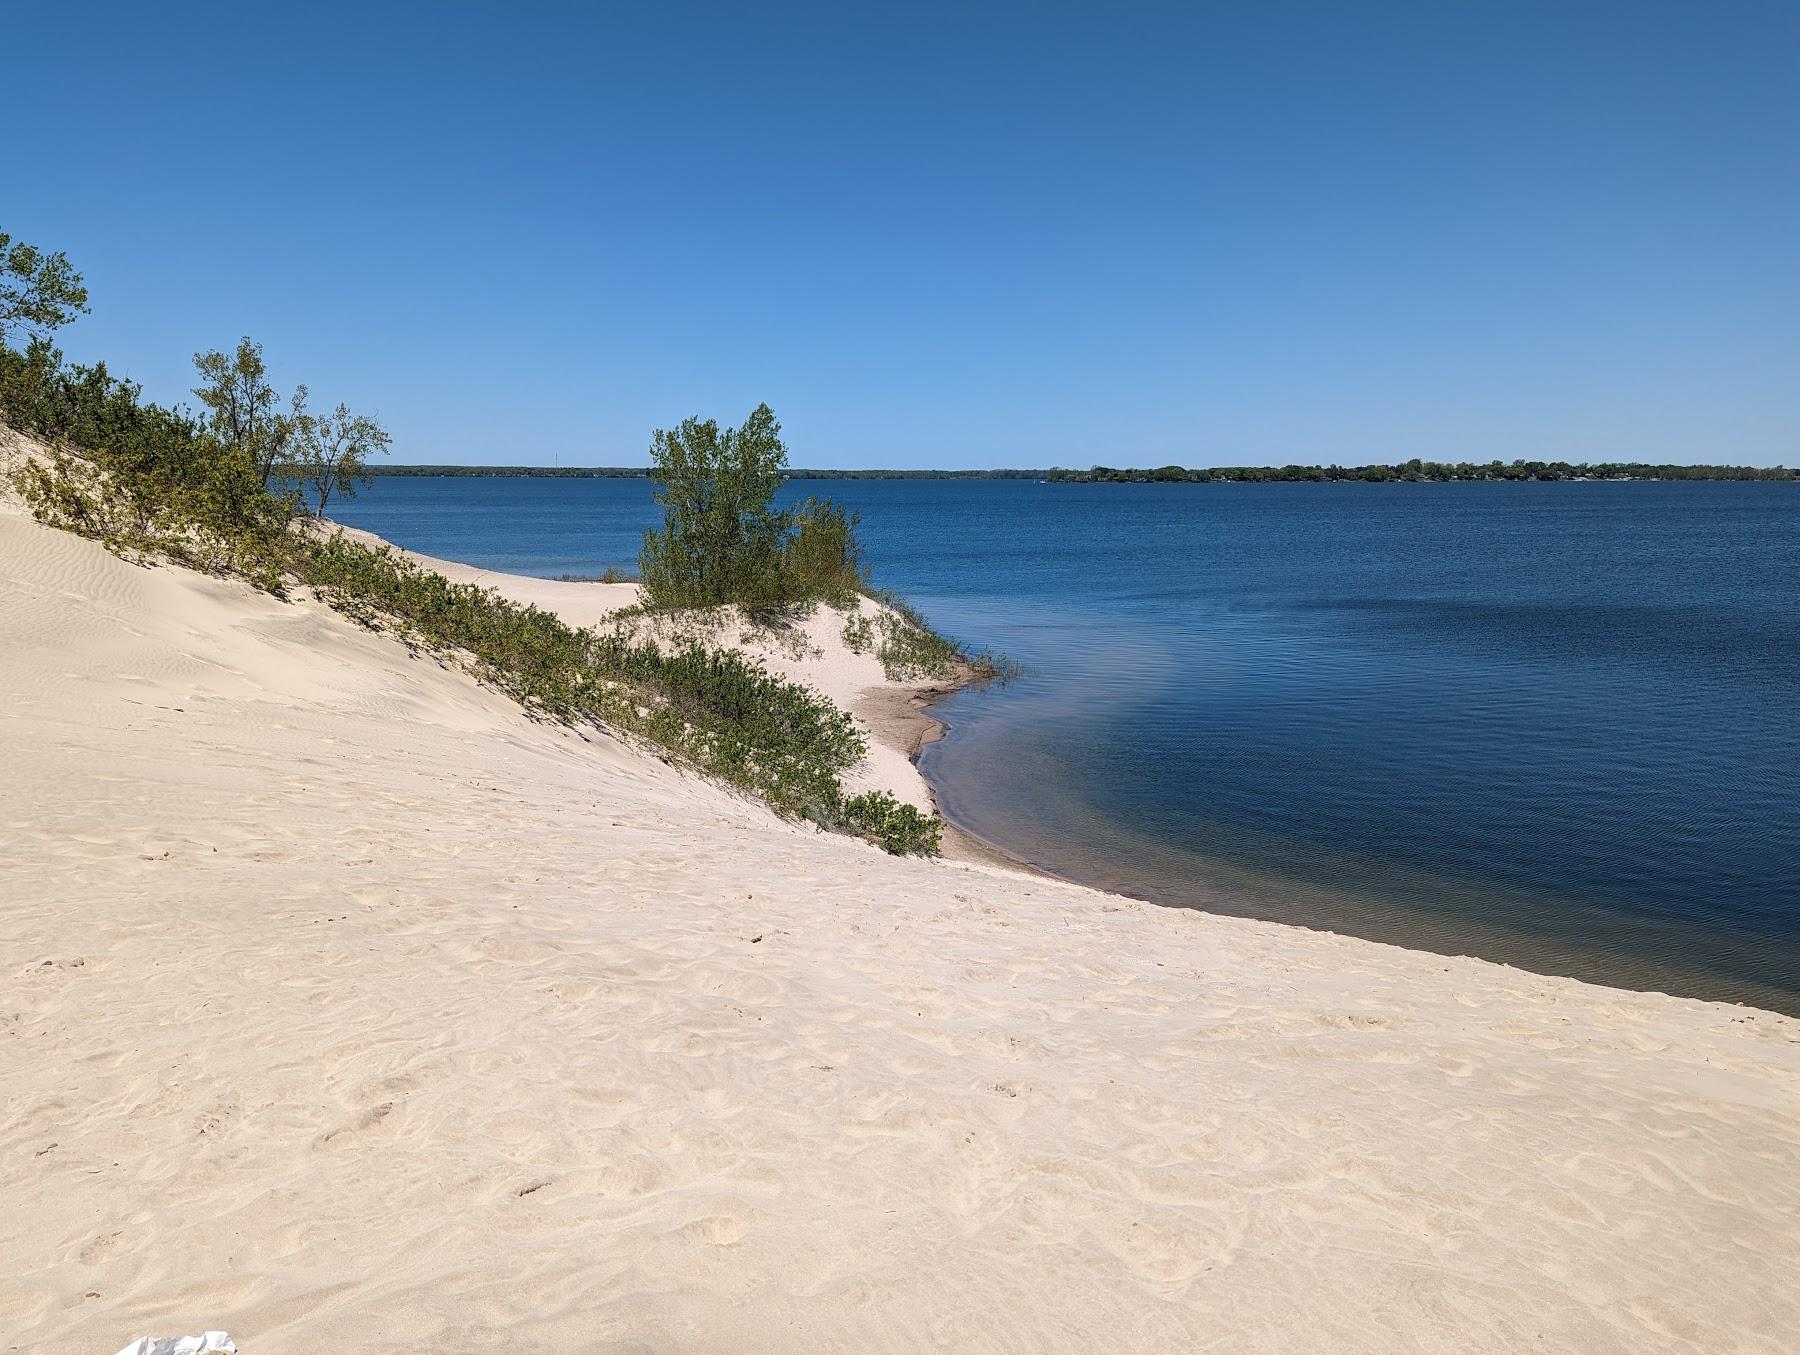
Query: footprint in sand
x=366 y=1121
x=718 y=1230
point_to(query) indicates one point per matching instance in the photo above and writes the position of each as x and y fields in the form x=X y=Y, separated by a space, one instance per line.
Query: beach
x=893 y=712
x=1438 y=716
x=347 y=1008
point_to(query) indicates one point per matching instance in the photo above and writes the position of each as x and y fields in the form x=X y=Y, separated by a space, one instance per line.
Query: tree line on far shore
x=1416 y=471
x=1403 y=472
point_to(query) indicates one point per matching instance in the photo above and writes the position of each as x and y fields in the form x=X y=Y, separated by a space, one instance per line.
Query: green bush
x=859 y=633
x=910 y=648
x=898 y=827
x=822 y=560
x=611 y=574
x=721 y=539
x=150 y=480
x=906 y=644
x=724 y=543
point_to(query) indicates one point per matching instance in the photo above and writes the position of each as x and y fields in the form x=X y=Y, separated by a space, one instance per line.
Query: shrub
x=900 y=828
x=721 y=539
x=724 y=543
x=822 y=560
x=906 y=644
x=152 y=480
x=611 y=574
x=859 y=633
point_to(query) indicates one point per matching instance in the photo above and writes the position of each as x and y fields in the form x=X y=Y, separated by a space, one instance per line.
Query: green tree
x=722 y=539
x=330 y=452
x=39 y=292
x=242 y=406
x=822 y=559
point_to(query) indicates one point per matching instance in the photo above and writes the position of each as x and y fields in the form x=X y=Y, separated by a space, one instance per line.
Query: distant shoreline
x=1405 y=473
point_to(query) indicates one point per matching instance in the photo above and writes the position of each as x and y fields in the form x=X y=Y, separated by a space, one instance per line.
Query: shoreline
x=897 y=717
x=902 y=717
x=1228 y=889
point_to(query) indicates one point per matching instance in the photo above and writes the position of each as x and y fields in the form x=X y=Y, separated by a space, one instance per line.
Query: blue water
x=1556 y=725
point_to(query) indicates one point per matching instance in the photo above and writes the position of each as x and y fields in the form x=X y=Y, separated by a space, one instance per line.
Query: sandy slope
x=342 y=1007
x=813 y=652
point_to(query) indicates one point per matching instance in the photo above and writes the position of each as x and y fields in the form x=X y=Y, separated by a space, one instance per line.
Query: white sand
x=344 y=1008
x=813 y=651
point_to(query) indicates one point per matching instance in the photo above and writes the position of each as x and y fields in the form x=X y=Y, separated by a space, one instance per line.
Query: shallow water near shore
x=1555 y=725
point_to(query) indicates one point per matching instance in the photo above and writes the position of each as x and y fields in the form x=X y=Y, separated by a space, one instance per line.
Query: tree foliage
x=164 y=465
x=821 y=557
x=39 y=292
x=899 y=827
x=330 y=452
x=243 y=406
x=723 y=541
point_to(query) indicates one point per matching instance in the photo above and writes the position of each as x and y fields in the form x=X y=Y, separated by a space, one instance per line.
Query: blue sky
x=967 y=235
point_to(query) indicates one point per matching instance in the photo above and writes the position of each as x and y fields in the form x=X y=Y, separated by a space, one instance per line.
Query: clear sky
x=960 y=235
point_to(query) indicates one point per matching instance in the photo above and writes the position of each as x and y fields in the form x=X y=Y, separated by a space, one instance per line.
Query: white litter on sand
x=203 y=1344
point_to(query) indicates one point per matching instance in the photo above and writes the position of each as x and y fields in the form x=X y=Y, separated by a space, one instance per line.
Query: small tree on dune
x=724 y=541
x=822 y=559
x=722 y=536
x=242 y=406
x=330 y=452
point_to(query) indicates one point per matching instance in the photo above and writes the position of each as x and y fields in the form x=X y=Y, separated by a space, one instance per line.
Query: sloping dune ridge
x=345 y=1008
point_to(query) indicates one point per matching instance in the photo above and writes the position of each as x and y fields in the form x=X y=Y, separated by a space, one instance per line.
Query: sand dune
x=346 y=1009
x=813 y=651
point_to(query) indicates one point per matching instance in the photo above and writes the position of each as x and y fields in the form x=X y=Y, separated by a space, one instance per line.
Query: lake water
x=1556 y=725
